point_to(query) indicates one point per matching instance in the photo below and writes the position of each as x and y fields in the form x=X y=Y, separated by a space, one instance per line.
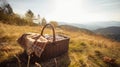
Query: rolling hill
x=111 y=32
x=75 y=29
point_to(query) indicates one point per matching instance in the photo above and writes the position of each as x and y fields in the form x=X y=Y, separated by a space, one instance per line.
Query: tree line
x=7 y=16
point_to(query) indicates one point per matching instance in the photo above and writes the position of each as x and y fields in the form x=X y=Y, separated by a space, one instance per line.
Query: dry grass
x=85 y=50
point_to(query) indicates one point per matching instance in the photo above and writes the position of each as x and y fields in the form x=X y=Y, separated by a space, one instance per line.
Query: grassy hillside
x=75 y=29
x=85 y=50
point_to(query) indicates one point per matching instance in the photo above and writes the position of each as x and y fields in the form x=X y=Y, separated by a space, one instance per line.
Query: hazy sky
x=78 y=11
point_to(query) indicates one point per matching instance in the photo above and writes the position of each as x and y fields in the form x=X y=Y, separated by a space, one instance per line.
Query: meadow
x=86 y=49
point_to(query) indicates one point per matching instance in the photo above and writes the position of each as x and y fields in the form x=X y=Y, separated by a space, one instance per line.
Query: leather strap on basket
x=52 y=30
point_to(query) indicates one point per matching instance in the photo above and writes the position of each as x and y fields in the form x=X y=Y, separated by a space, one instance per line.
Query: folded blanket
x=31 y=43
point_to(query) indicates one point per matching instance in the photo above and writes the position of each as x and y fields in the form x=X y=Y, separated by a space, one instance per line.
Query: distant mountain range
x=108 y=30
x=111 y=32
x=94 y=25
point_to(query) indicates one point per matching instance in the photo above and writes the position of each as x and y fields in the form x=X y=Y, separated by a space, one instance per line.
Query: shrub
x=83 y=44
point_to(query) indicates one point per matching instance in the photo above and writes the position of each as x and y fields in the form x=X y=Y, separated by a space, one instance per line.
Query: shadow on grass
x=62 y=61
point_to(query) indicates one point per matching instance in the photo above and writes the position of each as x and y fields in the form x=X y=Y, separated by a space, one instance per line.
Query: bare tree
x=39 y=22
x=29 y=14
x=44 y=22
x=5 y=7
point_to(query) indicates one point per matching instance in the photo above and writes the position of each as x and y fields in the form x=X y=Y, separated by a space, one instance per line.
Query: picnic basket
x=55 y=46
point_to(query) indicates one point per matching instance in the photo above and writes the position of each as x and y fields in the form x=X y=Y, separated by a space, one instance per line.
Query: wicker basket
x=56 y=45
x=55 y=48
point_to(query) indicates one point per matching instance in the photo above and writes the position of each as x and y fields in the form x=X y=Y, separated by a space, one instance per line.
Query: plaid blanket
x=31 y=43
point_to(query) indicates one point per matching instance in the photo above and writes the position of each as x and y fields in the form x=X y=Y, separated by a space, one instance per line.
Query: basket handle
x=52 y=27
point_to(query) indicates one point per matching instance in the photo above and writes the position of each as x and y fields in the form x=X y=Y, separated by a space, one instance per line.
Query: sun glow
x=75 y=11
x=71 y=11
